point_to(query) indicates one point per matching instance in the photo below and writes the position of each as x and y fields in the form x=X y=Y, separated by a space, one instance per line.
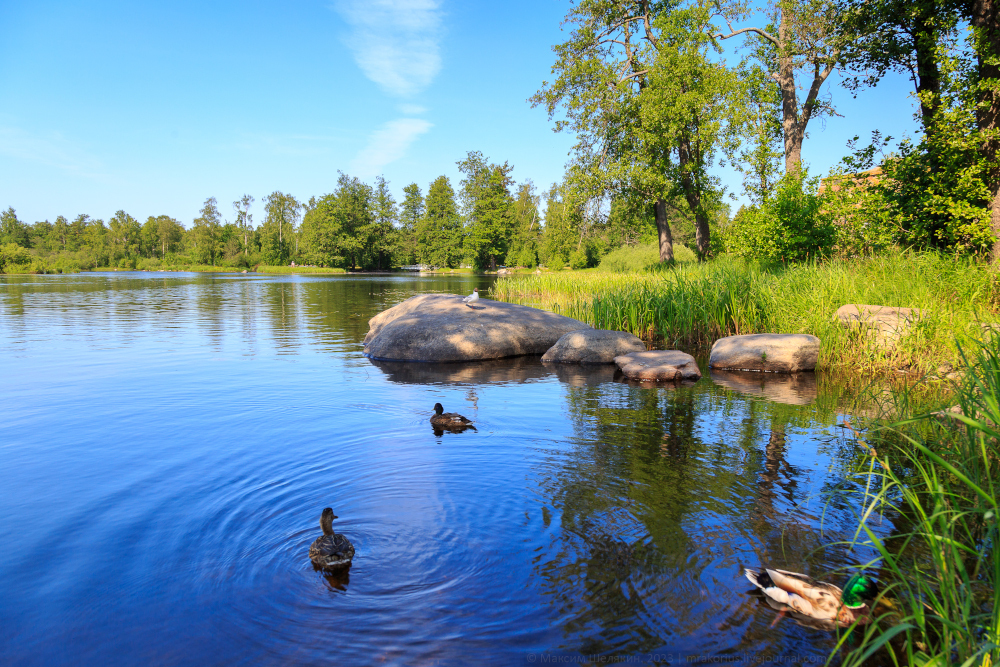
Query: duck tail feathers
x=759 y=579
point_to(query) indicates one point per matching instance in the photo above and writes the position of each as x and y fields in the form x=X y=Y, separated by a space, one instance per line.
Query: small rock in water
x=669 y=365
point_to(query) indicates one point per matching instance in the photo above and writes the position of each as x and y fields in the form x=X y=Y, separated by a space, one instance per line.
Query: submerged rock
x=671 y=365
x=439 y=327
x=773 y=353
x=593 y=346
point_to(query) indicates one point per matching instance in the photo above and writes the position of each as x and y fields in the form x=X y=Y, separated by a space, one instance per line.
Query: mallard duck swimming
x=449 y=420
x=330 y=551
x=816 y=599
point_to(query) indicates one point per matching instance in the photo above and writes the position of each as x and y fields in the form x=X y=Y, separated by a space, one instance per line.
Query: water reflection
x=199 y=422
x=790 y=388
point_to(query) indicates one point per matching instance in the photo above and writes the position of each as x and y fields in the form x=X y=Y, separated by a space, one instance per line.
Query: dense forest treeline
x=489 y=221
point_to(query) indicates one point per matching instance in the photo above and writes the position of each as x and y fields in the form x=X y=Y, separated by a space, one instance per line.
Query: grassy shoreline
x=690 y=305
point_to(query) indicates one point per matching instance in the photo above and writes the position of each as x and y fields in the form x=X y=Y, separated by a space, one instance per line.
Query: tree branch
x=760 y=32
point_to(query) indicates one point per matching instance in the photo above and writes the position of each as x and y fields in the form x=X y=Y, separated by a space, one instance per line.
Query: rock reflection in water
x=789 y=388
x=513 y=370
x=579 y=375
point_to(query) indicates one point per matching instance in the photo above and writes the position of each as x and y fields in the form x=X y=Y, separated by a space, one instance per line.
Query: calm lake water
x=169 y=440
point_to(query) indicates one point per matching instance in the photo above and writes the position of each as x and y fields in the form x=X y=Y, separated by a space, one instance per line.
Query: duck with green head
x=330 y=551
x=816 y=599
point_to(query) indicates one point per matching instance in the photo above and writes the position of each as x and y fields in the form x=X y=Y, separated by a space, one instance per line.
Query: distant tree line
x=490 y=221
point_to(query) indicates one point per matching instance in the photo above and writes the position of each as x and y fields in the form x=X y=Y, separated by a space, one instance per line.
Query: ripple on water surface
x=170 y=440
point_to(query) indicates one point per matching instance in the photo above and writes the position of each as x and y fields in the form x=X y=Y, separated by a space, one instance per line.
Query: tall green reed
x=691 y=305
x=936 y=475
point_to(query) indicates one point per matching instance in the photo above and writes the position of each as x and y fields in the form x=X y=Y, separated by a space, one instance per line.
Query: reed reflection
x=667 y=492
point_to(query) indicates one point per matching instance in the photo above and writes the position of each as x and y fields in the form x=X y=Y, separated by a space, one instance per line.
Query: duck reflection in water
x=337 y=580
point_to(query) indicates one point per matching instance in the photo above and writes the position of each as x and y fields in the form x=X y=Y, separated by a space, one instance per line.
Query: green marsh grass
x=690 y=305
x=936 y=474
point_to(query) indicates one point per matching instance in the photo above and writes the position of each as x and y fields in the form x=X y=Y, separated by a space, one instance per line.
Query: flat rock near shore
x=772 y=353
x=440 y=327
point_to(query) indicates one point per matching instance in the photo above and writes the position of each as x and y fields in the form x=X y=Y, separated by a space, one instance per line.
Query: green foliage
x=789 y=226
x=277 y=232
x=937 y=472
x=523 y=249
x=439 y=233
x=410 y=213
x=693 y=304
x=123 y=237
x=336 y=231
x=490 y=222
x=642 y=257
x=13 y=230
x=650 y=116
x=205 y=235
x=13 y=256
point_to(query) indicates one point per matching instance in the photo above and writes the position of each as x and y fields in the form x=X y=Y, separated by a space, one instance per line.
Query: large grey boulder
x=440 y=327
x=592 y=346
x=672 y=365
x=773 y=353
x=887 y=323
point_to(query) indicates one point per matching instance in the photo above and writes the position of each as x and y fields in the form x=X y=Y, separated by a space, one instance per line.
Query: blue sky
x=151 y=108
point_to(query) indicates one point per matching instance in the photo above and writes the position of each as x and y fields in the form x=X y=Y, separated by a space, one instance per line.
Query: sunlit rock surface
x=789 y=388
x=889 y=324
x=593 y=346
x=774 y=353
x=440 y=327
x=671 y=365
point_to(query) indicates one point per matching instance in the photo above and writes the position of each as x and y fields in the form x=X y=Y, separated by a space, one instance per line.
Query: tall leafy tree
x=647 y=103
x=337 y=229
x=123 y=236
x=488 y=208
x=383 y=238
x=410 y=213
x=13 y=230
x=523 y=249
x=807 y=39
x=562 y=227
x=60 y=235
x=281 y=218
x=244 y=220
x=439 y=233
x=205 y=232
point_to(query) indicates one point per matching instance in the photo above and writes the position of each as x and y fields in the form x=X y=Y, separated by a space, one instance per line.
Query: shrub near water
x=790 y=225
x=691 y=305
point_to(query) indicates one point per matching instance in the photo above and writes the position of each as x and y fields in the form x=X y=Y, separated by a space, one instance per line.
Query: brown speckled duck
x=450 y=421
x=330 y=551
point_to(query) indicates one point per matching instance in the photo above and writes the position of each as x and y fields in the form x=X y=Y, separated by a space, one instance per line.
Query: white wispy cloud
x=395 y=42
x=412 y=109
x=388 y=144
x=49 y=149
